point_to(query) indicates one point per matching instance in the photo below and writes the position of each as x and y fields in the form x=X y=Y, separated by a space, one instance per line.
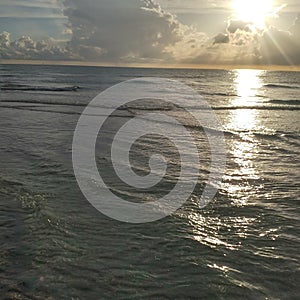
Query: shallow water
x=55 y=244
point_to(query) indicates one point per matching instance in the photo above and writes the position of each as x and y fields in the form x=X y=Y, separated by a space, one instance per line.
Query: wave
x=281 y=86
x=288 y=102
x=44 y=102
x=40 y=110
x=20 y=87
x=278 y=133
x=287 y=137
x=133 y=110
x=219 y=94
x=7 y=182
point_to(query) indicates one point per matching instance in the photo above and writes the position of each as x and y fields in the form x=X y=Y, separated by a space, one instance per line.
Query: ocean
x=243 y=244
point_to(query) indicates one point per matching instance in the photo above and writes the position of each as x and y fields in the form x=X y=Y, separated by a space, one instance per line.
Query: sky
x=148 y=32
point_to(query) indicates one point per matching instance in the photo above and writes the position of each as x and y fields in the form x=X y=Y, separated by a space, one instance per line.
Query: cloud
x=237 y=45
x=221 y=38
x=127 y=30
x=117 y=31
x=4 y=40
x=25 y=48
x=244 y=44
x=235 y=25
x=140 y=31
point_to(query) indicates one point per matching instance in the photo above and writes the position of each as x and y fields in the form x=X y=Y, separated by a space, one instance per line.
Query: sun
x=253 y=11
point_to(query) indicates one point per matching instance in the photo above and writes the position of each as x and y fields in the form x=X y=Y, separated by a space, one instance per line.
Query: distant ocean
x=243 y=245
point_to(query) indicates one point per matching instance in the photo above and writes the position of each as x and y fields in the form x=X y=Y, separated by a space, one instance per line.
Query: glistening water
x=55 y=245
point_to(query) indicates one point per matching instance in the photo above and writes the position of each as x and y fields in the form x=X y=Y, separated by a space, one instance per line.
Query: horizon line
x=151 y=66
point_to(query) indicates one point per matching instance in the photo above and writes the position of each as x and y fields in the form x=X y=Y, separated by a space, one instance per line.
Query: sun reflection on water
x=213 y=231
x=242 y=179
x=238 y=182
x=247 y=85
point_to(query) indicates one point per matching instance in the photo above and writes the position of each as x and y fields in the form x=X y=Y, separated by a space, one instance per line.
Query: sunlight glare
x=253 y=11
x=248 y=83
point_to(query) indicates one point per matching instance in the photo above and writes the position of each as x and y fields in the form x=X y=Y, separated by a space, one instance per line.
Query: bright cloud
x=26 y=48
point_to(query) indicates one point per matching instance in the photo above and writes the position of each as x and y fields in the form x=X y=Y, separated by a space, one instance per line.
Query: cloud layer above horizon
x=147 y=32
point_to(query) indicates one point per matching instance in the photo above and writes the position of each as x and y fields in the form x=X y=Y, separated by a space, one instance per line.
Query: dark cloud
x=116 y=31
x=221 y=38
x=126 y=30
